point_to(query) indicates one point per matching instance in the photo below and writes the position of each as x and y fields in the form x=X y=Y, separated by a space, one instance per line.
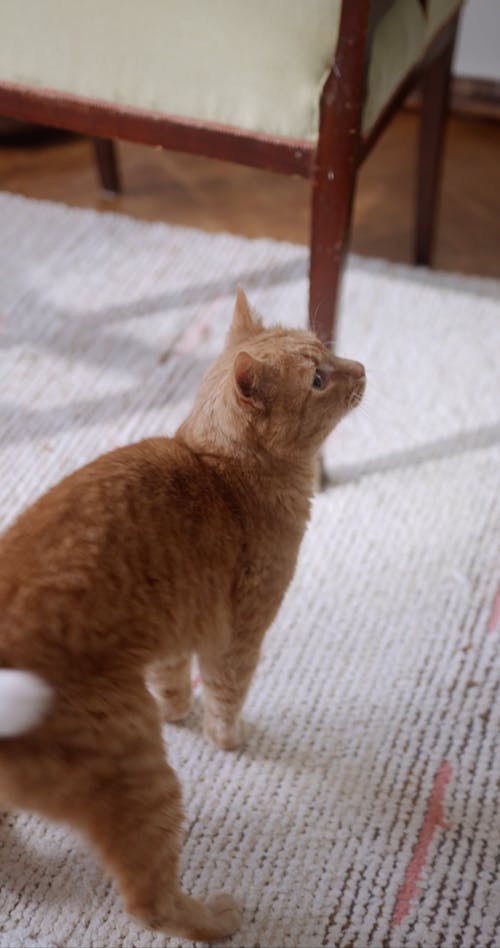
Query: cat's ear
x=250 y=379
x=244 y=324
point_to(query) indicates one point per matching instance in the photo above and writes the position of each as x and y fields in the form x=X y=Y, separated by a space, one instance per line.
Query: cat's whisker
x=330 y=343
x=373 y=385
x=382 y=396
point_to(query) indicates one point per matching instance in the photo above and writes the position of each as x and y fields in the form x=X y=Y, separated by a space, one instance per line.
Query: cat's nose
x=357 y=370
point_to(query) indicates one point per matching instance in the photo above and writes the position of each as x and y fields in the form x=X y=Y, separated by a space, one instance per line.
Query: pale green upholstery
x=257 y=65
x=438 y=12
x=398 y=44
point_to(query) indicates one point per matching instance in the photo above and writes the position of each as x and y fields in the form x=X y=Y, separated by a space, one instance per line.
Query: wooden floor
x=216 y=196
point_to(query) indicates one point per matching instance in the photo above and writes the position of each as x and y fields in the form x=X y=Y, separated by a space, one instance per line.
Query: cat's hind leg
x=171 y=683
x=129 y=806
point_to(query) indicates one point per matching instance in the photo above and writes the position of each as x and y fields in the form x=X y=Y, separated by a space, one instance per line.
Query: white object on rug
x=363 y=809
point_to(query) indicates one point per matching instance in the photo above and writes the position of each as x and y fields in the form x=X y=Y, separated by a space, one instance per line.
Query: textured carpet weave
x=363 y=810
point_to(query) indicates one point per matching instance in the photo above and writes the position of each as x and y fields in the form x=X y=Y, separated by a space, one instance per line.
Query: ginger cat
x=149 y=554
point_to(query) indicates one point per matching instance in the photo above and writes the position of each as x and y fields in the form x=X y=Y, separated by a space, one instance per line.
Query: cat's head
x=288 y=388
x=276 y=390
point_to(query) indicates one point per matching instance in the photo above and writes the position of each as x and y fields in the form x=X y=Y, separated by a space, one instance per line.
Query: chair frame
x=331 y=163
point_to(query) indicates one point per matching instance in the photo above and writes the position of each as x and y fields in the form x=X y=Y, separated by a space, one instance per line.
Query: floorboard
x=216 y=196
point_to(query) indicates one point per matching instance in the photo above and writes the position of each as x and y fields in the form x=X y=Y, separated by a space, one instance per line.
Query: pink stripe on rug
x=494 y=622
x=433 y=819
x=194 y=334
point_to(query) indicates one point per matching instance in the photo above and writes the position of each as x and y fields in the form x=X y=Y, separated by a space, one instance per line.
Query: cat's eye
x=318 y=380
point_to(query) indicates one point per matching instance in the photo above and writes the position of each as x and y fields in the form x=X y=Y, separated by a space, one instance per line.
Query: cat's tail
x=24 y=700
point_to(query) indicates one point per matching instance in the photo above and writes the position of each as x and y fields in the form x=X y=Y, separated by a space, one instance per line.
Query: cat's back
x=86 y=504
x=110 y=526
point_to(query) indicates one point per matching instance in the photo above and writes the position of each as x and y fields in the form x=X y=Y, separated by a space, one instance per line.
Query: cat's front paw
x=227 y=736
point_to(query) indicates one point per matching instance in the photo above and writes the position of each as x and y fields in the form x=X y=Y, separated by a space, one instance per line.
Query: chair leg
x=331 y=219
x=335 y=166
x=107 y=164
x=435 y=88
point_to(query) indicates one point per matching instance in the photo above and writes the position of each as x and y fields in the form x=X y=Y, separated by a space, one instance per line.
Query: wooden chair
x=330 y=157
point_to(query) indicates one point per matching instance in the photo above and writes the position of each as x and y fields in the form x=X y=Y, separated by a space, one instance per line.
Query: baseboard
x=477 y=98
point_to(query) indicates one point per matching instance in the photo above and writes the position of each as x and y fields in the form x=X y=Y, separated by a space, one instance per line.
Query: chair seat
x=258 y=65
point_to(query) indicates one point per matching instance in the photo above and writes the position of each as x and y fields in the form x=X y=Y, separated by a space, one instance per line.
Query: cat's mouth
x=357 y=393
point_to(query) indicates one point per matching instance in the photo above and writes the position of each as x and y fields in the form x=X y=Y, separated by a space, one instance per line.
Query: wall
x=478 y=48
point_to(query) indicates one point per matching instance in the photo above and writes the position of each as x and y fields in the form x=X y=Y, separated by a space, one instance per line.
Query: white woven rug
x=363 y=810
